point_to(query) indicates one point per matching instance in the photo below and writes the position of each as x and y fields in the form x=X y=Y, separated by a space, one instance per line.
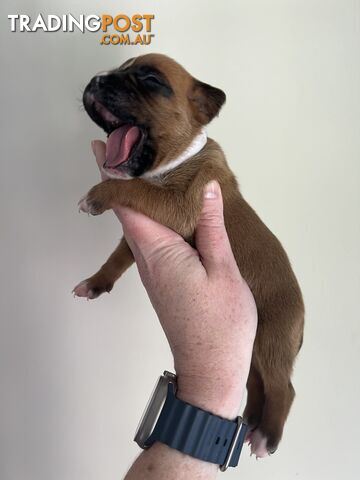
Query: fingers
x=146 y=238
x=99 y=149
x=141 y=229
x=211 y=237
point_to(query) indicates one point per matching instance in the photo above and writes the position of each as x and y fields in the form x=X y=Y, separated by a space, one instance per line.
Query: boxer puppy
x=159 y=159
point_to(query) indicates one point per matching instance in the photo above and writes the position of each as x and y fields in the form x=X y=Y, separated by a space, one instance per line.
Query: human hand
x=205 y=307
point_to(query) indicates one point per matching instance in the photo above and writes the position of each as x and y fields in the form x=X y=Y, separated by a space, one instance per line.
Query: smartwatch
x=189 y=429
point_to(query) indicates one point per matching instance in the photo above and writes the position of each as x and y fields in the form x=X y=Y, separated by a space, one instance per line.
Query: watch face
x=153 y=408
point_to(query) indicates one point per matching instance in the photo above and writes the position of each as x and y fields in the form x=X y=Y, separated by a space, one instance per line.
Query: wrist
x=219 y=396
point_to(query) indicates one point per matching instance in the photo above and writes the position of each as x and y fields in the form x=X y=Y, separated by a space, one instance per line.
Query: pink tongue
x=120 y=144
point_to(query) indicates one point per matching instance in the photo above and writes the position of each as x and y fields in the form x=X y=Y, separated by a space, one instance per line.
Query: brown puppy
x=159 y=161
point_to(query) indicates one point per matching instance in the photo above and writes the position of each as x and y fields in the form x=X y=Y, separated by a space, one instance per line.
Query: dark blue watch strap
x=195 y=432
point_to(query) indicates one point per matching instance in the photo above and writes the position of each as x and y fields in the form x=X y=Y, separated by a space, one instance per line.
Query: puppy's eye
x=151 y=78
x=153 y=82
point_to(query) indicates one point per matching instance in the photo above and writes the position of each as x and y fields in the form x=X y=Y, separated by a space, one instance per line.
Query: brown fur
x=175 y=200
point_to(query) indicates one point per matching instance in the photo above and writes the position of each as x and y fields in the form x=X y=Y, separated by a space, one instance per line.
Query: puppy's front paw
x=92 y=203
x=93 y=287
x=83 y=290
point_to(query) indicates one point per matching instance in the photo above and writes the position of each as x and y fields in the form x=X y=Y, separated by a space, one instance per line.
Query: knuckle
x=213 y=218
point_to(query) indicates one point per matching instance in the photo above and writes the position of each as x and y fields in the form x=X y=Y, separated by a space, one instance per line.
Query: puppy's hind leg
x=103 y=280
x=255 y=399
x=279 y=396
x=275 y=368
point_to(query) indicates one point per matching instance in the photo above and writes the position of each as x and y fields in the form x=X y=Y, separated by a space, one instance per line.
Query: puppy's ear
x=206 y=101
x=128 y=62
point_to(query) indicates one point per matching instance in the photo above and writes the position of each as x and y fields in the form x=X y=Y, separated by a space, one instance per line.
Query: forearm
x=161 y=462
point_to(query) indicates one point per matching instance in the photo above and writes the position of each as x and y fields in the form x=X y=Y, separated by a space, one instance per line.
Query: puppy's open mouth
x=121 y=144
x=125 y=140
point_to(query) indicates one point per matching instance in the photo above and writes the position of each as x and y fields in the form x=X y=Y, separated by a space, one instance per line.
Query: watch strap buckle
x=237 y=440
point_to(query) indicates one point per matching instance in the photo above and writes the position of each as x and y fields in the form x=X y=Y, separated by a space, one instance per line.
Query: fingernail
x=93 y=147
x=211 y=190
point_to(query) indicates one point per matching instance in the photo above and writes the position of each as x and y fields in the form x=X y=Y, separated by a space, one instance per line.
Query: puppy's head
x=151 y=108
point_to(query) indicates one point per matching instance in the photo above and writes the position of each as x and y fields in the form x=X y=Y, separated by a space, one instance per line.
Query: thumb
x=211 y=237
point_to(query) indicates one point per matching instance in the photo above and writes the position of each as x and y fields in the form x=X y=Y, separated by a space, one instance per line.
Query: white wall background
x=75 y=376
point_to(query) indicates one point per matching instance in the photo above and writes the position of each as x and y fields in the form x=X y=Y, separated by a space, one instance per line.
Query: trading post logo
x=115 y=30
